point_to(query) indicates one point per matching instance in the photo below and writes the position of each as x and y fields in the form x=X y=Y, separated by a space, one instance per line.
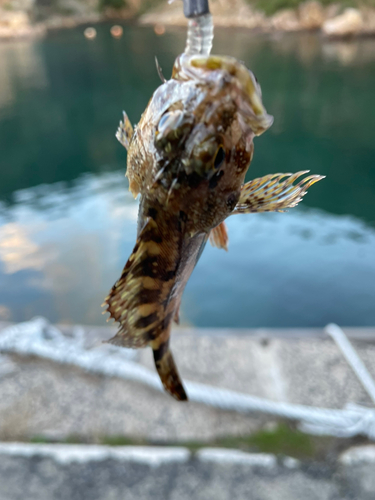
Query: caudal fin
x=168 y=373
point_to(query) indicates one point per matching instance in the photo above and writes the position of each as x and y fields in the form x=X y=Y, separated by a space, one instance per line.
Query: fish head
x=229 y=86
x=221 y=107
x=204 y=121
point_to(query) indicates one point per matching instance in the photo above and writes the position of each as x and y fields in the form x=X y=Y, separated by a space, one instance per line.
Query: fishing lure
x=187 y=158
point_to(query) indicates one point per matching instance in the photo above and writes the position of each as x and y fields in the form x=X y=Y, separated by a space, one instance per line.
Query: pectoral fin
x=274 y=193
x=125 y=131
x=219 y=236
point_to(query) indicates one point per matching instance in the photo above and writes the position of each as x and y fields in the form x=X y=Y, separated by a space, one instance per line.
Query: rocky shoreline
x=18 y=24
x=31 y=18
x=332 y=21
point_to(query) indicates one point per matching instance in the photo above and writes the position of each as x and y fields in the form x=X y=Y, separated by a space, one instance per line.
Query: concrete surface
x=39 y=397
x=71 y=472
x=42 y=398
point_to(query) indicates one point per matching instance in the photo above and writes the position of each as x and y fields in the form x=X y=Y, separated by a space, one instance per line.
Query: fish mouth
x=246 y=91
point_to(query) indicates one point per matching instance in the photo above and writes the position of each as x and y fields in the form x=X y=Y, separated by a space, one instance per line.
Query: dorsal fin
x=125 y=131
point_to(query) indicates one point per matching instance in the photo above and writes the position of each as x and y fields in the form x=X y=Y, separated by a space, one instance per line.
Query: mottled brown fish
x=187 y=158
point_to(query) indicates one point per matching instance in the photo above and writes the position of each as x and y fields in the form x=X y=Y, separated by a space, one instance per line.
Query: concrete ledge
x=49 y=472
x=46 y=398
x=236 y=457
x=66 y=454
x=359 y=455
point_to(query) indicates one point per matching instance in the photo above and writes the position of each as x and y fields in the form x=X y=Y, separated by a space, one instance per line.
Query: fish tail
x=168 y=372
x=146 y=298
x=140 y=300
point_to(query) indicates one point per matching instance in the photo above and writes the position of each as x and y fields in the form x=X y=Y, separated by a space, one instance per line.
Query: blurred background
x=68 y=222
x=68 y=225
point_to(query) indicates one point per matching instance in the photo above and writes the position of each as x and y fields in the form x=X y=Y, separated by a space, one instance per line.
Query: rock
x=245 y=17
x=14 y=20
x=14 y=24
x=80 y=7
x=358 y=455
x=62 y=22
x=311 y=15
x=358 y=465
x=368 y=16
x=285 y=20
x=228 y=13
x=347 y=24
x=16 y=5
x=332 y=10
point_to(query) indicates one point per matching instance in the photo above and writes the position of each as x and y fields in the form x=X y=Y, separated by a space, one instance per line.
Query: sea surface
x=68 y=222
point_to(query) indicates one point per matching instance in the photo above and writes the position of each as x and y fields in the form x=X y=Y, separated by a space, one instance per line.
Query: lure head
x=199 y=127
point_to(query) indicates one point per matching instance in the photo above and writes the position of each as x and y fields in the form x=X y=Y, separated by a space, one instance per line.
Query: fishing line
x=200 y=32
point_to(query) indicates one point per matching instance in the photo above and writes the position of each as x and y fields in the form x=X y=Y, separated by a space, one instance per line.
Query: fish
x=187 y=159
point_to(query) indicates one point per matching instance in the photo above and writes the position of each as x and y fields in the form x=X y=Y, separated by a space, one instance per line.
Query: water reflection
x=62 y=245
x=301 y=268
x=62 y=249
x=17 y=250
x=20 y=65
x=308 y=48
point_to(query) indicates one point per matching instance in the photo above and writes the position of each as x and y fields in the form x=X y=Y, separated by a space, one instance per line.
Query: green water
x=67 y=222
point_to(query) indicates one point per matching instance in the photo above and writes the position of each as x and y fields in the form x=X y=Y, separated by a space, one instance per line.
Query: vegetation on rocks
x=270 y=7
x=113 y=4
x=343 y=18
x=281 y=439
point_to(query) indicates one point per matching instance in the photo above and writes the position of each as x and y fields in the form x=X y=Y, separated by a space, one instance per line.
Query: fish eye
x=169 y=121
x=219 y=158
x=163 y=120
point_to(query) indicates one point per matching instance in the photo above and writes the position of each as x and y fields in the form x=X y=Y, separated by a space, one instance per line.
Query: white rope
x=352 y=358
x=38 y=337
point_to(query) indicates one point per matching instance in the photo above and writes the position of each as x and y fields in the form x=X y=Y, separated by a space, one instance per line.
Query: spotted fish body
x=187 y=158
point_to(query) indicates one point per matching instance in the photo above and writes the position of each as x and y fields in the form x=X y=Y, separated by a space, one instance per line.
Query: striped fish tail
x=168 y=372
x=140 y=301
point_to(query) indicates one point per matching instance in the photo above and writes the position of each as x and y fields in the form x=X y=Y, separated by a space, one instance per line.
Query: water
x=68 y=223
